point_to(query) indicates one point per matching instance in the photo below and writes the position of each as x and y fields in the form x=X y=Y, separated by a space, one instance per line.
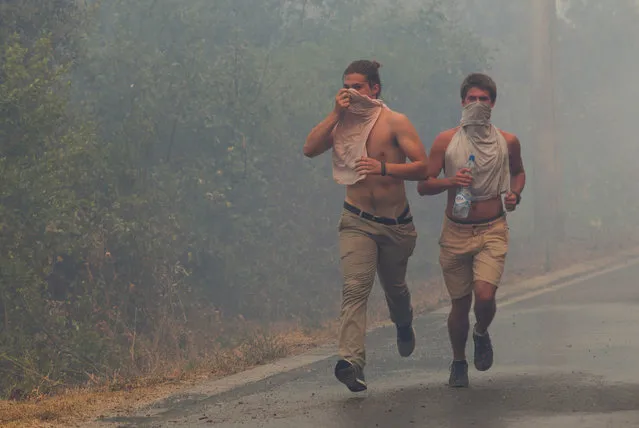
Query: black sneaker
x=350 y=375
x=483 y=351
x=458 y=374
x=405 y=340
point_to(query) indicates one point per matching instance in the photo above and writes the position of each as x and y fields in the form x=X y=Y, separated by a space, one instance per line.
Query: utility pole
x=548 y=182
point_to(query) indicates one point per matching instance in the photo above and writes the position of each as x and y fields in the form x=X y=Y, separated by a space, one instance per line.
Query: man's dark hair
x=370 y=69
x=481 y=81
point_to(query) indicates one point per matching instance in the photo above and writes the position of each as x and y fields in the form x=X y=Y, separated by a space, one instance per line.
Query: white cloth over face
x=351 y=135
x=478 y=136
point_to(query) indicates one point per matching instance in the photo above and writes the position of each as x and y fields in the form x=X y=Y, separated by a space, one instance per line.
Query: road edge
x=510 y=293
x=549 y=282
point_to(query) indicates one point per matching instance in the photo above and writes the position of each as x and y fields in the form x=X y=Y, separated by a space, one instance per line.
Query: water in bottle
x=463 y=198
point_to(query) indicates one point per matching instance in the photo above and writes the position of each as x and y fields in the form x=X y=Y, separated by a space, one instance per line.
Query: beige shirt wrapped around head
x=351 y=134
x=476 y=135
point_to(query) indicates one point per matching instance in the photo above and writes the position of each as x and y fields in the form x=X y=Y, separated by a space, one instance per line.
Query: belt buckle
x=377 y=219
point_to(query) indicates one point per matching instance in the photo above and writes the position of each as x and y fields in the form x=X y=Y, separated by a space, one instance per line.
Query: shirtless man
x=376 y=232
x=473 y=249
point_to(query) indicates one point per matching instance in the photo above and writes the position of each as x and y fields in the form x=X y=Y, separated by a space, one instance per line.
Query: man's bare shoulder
x=400 y=124
x=397 y=119
x=445 y=137
x=510 y=137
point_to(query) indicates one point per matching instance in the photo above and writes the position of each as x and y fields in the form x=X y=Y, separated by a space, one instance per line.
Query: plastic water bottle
x=463 y=198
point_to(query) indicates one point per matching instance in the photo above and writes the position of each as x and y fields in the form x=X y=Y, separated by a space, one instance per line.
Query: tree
x=169 y=177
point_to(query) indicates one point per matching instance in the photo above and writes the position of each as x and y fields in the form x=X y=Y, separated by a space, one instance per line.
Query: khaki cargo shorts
x=472 y=252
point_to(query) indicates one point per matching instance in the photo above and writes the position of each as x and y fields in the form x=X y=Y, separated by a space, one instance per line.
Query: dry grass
x=74 y=406
x=71 y=407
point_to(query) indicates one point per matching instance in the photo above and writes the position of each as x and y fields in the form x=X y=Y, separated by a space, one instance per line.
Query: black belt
x=477 y=222
x=402 y=219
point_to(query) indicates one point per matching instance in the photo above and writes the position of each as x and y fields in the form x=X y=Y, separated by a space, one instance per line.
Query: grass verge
x=73 y=406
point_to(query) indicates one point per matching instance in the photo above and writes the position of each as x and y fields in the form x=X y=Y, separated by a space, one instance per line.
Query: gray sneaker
x=483 y=351
x=405 y=340
x=458 y=374
x=350 y=375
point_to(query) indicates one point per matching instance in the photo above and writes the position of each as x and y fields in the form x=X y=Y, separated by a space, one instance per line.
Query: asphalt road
x=565 y=358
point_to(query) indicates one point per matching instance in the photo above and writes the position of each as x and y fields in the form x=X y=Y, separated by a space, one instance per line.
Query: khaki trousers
x=367 y=248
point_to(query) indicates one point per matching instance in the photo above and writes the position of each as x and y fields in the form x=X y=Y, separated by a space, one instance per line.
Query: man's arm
x=433 y=185
x=411 y=145
x=517 y=173
x=320 y=139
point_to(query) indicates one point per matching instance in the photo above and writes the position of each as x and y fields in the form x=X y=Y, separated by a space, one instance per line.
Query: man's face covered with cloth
x=363 y=97
x=360 y=84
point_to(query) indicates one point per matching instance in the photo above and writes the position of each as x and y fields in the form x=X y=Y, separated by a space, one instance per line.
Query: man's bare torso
x=383 y=196
x=480 y=210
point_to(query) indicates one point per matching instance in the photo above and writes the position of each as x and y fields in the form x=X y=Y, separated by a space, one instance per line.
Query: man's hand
x=463 y=178
x=368 y=166
x=510 y=201
x=342 y=101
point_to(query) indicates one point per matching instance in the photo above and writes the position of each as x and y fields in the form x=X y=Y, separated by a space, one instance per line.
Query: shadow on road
x=494 y=403
x=487 y=403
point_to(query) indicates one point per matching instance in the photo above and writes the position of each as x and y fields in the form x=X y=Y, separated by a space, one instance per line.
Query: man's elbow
x=435 y=170
x=422 y=188
x=521 y=173
x=419 y=170
x=308 y=150
x=423 y=171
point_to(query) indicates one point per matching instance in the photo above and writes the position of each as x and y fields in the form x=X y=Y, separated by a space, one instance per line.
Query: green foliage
x=154 y=193
x=154 y=200
x=48 y=167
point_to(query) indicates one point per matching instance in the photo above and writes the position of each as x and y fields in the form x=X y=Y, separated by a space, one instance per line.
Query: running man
x=473 y=249
x=370 y=145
